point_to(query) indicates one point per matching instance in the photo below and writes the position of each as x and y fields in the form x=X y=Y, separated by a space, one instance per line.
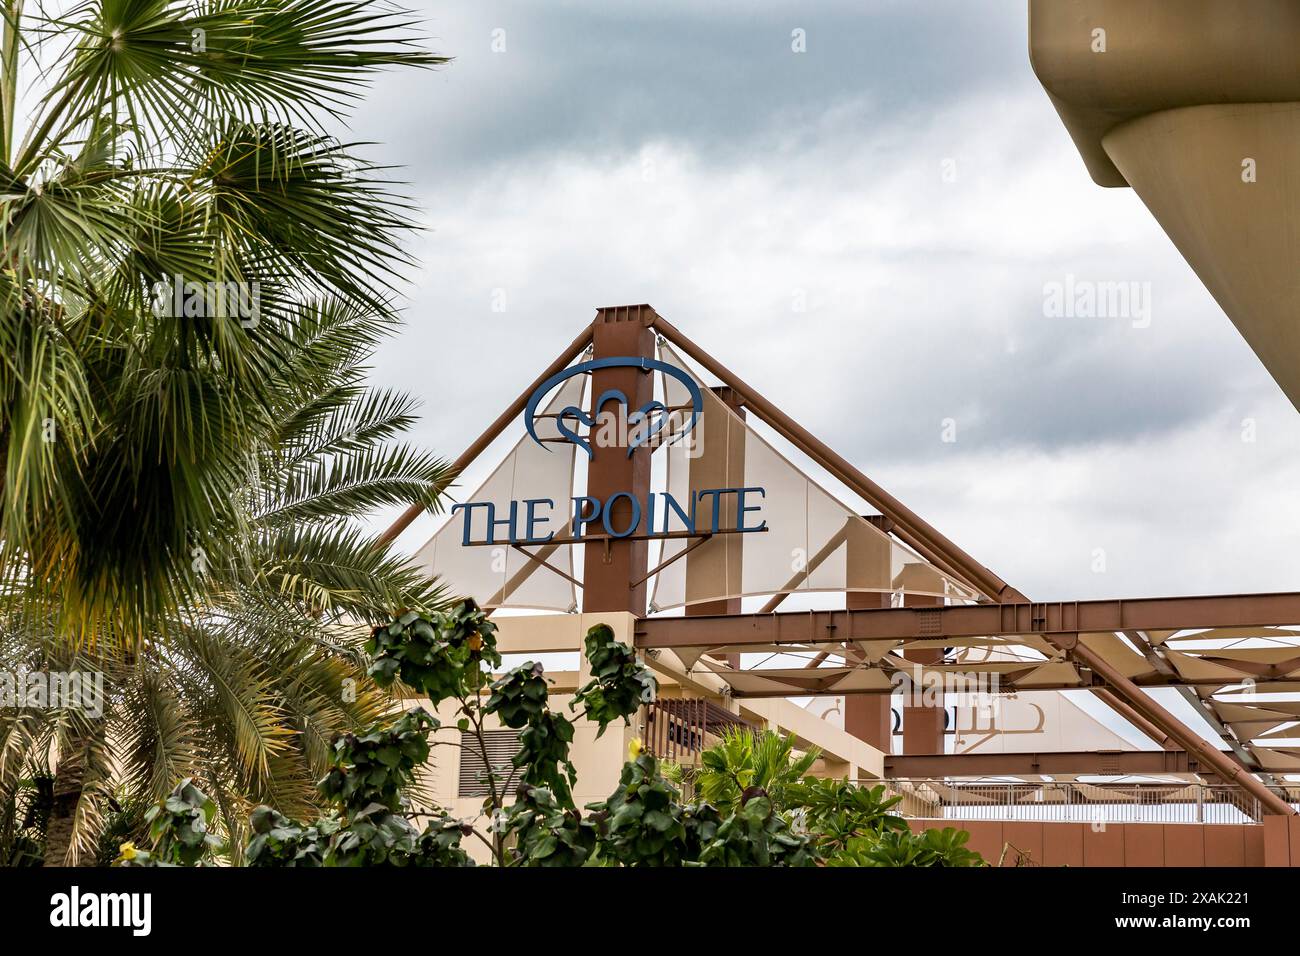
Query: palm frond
x=340 y=571
x=163 y=63
x=233 y=689
x=160 y=741
x=354 y=483
x=341 y=421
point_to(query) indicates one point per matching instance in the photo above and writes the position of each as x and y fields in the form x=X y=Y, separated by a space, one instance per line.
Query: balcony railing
x=1076 y=802
x=678 y=730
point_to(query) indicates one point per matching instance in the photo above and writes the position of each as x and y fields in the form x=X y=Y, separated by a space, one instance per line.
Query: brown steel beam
x=923 y=721
x=867 y=718
x=536 y=560
x=1059 y=624
x=1144 y=726
x=1193 y=742
x=973 y=620
x=490 y=435
x=1091 y=682
x=829 y=548
x=1116 y=763
x=910 y=526
x=542 y=562
x=939 y=549
x=1156 y=658
x=699 y=540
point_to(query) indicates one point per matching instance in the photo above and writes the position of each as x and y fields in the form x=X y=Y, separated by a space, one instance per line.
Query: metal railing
x=1076 y=802
x=678 y=730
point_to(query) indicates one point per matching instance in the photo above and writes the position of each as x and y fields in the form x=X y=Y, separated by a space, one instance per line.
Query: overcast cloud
x=863 y=231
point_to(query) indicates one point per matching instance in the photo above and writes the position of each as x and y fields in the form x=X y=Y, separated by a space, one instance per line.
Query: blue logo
x=575 y=415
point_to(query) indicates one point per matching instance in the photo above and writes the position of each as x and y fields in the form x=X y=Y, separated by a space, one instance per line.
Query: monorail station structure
x=650 y=488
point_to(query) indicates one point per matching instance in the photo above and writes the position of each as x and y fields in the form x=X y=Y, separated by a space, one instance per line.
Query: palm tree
x=178 y=168
x=245 y=691
x=180 y=145
x=744 y=760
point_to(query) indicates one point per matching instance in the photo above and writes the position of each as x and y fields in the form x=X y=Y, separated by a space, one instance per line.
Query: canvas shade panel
x=502 y=576
x=813 y=542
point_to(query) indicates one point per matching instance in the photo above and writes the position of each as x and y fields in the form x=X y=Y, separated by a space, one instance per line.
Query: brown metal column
x=923 y=725
x=610 y=567
x=868 y=717
x=868 y=563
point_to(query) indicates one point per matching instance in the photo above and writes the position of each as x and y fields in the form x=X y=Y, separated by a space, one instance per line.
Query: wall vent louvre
x=502 y=745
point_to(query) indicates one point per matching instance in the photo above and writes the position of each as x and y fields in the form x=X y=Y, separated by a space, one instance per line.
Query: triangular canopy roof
x=823 y=545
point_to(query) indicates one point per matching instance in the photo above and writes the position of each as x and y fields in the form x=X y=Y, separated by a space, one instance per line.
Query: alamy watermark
x=1107 y=299
x=179 y=298
x=53 y=690
x=923 y=687
x=75 y=908
x=617 y=428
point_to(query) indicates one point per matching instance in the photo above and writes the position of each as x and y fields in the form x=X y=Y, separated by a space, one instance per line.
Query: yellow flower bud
x=634 y=748
x=126 y=851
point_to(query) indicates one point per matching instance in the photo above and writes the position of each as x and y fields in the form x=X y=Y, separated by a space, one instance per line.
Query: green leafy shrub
x=520 y=696
x=374 y=766
x=756 y=835
x=837 y=811
x=434 y=653
x=439 y=843
x=544 y=755
x=744 y=759
x=178 y=828
x=642 y=824
x=759 y=807
x=370 y=770
x=944 y=847
x=546 y=832
x=620 y=684
x=279 y=841
x=376 y=837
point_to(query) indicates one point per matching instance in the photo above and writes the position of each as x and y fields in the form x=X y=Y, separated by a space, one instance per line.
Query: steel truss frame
x=1008 y=612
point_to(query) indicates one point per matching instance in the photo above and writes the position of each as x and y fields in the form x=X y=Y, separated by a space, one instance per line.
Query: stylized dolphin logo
x=580 y=417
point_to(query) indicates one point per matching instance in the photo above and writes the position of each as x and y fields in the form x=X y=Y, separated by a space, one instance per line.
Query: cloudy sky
x=864 y=231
